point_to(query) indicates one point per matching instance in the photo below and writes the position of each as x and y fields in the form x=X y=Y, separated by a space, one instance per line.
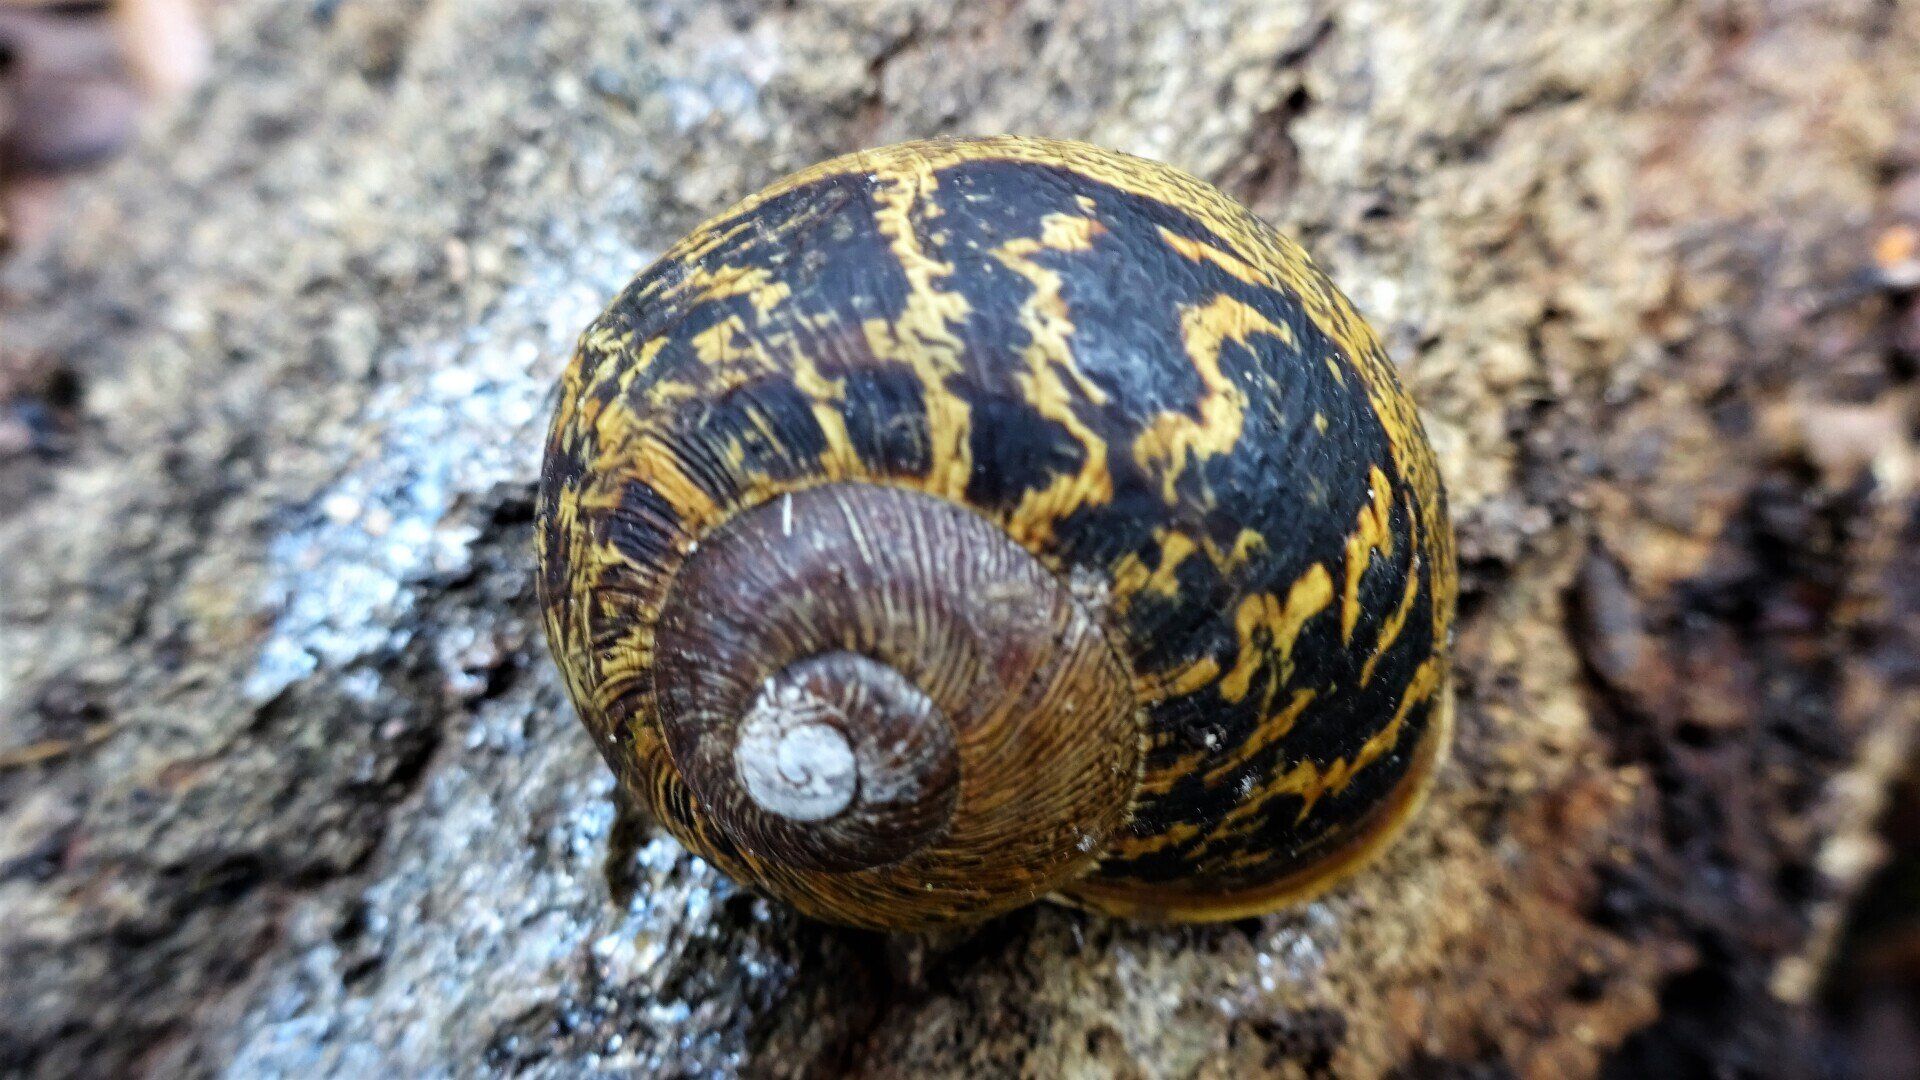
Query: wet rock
x=337 y=819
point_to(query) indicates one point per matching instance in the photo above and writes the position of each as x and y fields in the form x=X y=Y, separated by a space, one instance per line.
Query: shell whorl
x=872 y=689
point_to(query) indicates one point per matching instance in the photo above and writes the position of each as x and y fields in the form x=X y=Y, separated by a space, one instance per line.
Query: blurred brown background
x=288 y=786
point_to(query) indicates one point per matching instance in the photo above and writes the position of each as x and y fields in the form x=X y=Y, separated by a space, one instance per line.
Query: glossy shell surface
x=1154 y=394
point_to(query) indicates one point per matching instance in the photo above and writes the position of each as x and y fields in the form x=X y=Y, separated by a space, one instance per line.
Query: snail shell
x=965 y=522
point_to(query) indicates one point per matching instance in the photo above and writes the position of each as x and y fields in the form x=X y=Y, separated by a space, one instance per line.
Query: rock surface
x=288 y=787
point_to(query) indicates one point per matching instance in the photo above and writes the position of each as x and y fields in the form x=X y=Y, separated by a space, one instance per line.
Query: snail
x=968 y=522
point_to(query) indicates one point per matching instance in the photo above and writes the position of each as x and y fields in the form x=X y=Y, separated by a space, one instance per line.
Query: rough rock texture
x=287 y=786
